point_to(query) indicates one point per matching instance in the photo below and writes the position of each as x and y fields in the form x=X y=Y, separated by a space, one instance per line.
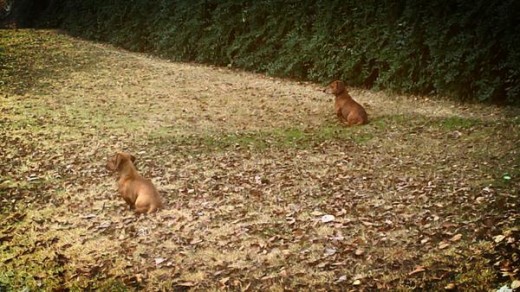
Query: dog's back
x=353 y=113
x=147 y=197
x=347 y=109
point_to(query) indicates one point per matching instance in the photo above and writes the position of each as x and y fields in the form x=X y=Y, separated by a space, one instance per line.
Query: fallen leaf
x=88 y=216
x=356 y=283
x=5 y=238
x=330 y=251
x=33 y=177
x=196 y=241
x=359 y=252
x=268 y=277
x=104 y=225
x=515 y=284
x=322 y=265
x=443 y=244
x=450 y=286
x=456 y=237
x=327 y=218
x=283 y=273
x=223 y=281
x=316 y=213
x=498 y=238
x=187 y=284
x=159 y=261
x=418 y=269
x=366 y=223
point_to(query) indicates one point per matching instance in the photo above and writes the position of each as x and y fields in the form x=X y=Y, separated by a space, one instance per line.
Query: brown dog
x=347 y=109
x=138 y=192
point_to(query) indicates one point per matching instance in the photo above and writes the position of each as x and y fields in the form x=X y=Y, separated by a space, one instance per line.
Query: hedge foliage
x=469 y=50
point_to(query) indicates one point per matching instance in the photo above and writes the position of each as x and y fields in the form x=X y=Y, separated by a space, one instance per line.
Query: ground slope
x=264 y=189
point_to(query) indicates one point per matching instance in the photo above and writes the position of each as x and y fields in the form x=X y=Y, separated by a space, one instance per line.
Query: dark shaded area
x=30 y=13
x=463 y=49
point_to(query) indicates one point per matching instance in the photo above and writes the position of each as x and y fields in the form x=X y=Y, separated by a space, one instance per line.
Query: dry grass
x=248 y=166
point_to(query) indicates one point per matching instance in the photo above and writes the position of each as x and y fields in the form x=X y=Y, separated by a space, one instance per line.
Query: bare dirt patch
x=264 y=190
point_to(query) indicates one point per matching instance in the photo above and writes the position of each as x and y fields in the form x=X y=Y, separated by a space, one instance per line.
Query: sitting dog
x=138 y=192
x=348 y=110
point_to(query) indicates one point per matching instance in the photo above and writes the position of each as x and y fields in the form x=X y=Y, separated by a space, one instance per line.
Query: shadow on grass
x=25 y=65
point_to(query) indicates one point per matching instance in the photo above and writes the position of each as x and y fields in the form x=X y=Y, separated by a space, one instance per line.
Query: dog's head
x=116 y=162
x=336 y=87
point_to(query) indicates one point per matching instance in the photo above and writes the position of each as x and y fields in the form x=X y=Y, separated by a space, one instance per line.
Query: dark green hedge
x=468 y=50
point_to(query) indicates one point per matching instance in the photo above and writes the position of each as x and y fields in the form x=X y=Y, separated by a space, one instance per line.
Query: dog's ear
x=132 y=158
x=340 y=86
x=119 y=159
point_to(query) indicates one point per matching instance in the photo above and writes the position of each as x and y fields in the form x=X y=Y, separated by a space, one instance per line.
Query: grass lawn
x=264 y=190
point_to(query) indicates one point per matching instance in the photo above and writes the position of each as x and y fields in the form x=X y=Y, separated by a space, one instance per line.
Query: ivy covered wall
x=468 y=50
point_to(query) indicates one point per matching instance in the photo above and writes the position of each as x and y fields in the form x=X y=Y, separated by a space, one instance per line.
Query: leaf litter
x=264 y=190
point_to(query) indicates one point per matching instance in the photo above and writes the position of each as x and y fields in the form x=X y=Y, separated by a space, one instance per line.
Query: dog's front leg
x=128 y=201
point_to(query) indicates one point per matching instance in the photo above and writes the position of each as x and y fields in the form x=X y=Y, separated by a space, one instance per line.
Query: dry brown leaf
x=418 y=269
x=359 y=252
x=223 y=281
x=456 y=237
x=159 y=261
x=283 y=273
x=316 y=213
x=450 y=286
x=443 y=244
x=499 y=238
x=268 y=277
x=187 y=284
x=342 y=278
x=196 y=241
x=515 y=284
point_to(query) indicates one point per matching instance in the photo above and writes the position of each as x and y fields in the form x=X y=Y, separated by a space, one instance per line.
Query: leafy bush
x=464 y=49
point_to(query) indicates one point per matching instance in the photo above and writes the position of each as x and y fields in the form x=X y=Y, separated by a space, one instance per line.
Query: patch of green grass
x=385 y=121
x=32 y=269
x=498 y=159
x=454 y=123
x=260 y=140
x=161 y=132
x=403 y=120
x=288 y=137
x=475 y=274
x=112 y=285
